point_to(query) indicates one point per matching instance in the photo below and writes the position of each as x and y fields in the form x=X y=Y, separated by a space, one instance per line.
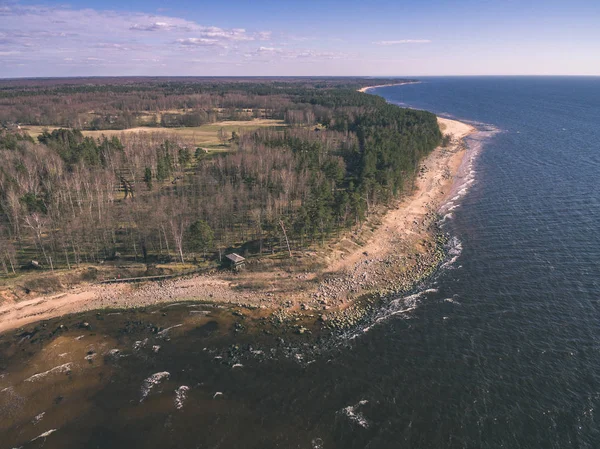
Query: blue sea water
x=500 y=350
x=507 y=352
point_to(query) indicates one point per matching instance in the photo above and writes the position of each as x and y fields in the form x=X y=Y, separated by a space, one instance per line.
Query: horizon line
x=300 y=76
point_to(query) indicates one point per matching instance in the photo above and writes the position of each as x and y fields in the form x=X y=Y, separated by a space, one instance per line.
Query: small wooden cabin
x=235 y=261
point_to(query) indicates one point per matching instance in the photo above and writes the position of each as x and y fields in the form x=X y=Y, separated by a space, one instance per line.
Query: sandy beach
x=367 y=88
x=385 y=255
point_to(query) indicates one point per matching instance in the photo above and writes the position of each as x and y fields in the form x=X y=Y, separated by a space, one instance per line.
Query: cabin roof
x=235 y=258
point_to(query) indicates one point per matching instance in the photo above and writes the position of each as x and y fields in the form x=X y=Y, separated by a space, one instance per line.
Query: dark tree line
x=120 y=103
x=68 y=199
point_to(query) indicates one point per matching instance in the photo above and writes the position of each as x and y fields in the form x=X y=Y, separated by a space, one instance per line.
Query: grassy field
x=205 y=136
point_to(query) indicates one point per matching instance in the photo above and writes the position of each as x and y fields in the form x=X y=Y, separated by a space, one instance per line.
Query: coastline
x=367 y=88
x=392 y=252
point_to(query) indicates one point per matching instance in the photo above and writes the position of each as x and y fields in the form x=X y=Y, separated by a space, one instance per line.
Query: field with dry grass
x=205 y=136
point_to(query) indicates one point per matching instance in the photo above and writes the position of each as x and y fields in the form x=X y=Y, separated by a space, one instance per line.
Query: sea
x=499 y=349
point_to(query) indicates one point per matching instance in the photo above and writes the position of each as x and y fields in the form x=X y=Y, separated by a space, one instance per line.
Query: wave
x=140 y=344
x=454 y=249
x=66 y=368
x=35 y=421
x=45 y=434
x=163 y=333
x=355 y=416
x=452 y=300
x=466 y=175
x=402 y=306
x=181 y=396
x=152 y=381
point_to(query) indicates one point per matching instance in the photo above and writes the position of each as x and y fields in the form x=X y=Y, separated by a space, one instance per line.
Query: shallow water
x=501 y=349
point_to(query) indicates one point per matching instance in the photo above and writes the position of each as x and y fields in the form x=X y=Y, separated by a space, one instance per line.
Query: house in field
x=235 y=261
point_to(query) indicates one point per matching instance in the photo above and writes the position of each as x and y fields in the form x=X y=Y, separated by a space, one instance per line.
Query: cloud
x=108 y=36
x=271 y=54
x=62 y=41
x=268 y=50
x=113 y=46
x=404 y=41
x=302 y=38
x=199 y=31
x=312 y=54
x=198 y=42
x=264 y=35
x=154 y=26
x=236 y=34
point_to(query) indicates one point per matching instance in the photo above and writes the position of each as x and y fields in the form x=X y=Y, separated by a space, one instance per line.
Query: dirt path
x=392 y=252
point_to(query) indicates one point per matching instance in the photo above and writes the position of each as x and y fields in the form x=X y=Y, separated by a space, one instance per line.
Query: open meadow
x=205 y=136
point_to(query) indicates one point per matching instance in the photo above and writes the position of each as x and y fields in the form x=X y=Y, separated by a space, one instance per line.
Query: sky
x=299 y=38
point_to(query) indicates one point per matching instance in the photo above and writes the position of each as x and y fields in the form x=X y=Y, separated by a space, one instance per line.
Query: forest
x=67 y=198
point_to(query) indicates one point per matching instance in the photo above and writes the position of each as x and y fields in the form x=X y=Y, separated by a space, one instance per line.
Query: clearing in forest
x=206 y=135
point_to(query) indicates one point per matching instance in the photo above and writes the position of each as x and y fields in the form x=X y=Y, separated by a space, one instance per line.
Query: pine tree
x=148 y=177
x=200 y=236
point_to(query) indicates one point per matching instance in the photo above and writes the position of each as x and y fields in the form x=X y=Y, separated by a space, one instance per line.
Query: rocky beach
x=391 y=253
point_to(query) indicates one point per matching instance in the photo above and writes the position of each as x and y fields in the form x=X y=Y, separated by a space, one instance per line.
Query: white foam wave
x=65 y=368
x=38 y=418
x=140 y=344
x=455 y=249
x=152 y=381
x=164 y=332
x=114 y=353
x=181 y=396
x=356 y=416
x=45 y=434
x=398 y=307
x=465 y=178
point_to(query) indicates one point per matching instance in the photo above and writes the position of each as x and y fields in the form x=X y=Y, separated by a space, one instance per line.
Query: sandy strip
x=401 y=223
x=401 y=230
x=367 y=88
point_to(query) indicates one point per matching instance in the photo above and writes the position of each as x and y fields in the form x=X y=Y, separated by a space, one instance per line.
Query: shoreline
x=390 y=253
x=367 y=88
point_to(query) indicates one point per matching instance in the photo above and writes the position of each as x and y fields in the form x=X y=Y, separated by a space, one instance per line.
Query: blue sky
x=326 y=37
